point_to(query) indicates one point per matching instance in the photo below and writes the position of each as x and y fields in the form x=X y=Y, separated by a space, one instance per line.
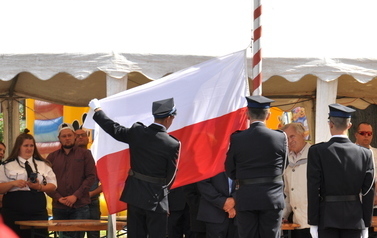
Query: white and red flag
x=211 y=104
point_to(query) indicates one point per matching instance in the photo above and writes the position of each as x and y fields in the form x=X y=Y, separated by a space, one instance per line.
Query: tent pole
x=326 y=94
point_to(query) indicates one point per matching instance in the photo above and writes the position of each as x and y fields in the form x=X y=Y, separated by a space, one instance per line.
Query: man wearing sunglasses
x=364 y=136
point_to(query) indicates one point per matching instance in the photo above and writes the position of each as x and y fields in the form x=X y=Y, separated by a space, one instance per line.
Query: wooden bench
x=68 y=225
x=288 y=227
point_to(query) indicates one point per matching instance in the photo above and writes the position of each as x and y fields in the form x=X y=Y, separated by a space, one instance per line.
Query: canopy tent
x=316 y=87
x=74 y=79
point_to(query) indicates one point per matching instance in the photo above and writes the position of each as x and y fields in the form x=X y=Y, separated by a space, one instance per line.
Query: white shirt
x=16 y=171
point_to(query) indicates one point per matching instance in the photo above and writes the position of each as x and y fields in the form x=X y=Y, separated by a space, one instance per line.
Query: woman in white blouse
x=25 y=176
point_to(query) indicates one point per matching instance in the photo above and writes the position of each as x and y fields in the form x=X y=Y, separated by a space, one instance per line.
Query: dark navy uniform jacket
x=153 y=153
x=340 y=169
x=257 y=152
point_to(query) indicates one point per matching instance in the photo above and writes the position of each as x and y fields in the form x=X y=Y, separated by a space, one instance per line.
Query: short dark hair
x=258 y=113
x=340 y=123
x=362 y=123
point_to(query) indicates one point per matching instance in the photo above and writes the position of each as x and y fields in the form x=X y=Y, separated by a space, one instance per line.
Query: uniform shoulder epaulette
x=173 y=137
x=278 y=130
x=319 y=143
x=140 y=123
x=6 y=161
x=237 y=131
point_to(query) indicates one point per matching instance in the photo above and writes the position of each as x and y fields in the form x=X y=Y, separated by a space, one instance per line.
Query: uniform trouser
x=179 y=223
x=338 y=233
x=24 y=206
x=142 y=223
x=259 y=223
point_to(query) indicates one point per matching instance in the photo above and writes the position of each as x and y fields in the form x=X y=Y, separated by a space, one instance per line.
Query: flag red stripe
x=204 y=147
x=112 y=171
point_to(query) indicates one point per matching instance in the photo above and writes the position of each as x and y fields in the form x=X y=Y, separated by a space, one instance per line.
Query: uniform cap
x=64 y=126
x=258 y=102
x=163 y=108
x=337 y=110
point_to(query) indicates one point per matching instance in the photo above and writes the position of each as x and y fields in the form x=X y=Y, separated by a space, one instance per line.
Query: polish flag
x=211 y=105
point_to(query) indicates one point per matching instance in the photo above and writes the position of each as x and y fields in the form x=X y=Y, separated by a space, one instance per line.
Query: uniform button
x=292 y=189
x=295 y=208
x=293 y=170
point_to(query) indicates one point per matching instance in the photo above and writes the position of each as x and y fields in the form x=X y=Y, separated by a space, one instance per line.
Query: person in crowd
x=364 y=136
x=340 y=182
x=179 y=214
x=295 y=188
x=75 y=173
x=153 y=166
x=192 y=195
x=256 y=159
x=2 y=153
x=216 y=207
x=82 y=140
x=25 y=176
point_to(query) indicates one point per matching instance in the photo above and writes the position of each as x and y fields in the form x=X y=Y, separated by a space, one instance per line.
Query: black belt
x=260 y=180
x=341 y=198
x=146 y=178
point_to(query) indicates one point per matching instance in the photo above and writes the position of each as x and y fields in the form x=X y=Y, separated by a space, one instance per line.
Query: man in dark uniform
x=340 y=182
x=153 y=155
x=256 y=159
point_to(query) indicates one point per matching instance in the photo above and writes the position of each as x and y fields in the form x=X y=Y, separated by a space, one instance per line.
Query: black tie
x=28 y=169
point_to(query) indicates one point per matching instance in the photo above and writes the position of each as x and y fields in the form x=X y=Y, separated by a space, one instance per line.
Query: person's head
x=25 y=147
x=339 y=118
x=296 y=136
x=258 y=108
x=164 y=112
x=2 y=150
x=364 y=134
x=82 y=139
x=67 y=135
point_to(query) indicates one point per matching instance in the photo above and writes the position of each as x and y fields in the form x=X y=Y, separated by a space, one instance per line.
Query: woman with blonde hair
x=24 y=178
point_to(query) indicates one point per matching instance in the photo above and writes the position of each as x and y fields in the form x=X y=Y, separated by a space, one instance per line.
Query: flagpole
x=257 y=56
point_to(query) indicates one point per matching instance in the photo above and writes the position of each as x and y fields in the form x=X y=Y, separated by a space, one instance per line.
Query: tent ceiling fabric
x=295 y=79
x=74 y=79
